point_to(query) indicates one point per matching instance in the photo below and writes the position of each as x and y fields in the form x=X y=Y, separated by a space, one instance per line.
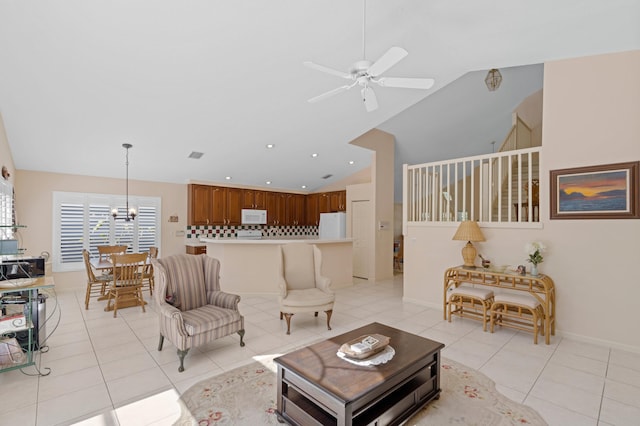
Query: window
x=84 y=221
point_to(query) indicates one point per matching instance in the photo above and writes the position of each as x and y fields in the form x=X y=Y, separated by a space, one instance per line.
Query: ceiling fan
x=364 y=73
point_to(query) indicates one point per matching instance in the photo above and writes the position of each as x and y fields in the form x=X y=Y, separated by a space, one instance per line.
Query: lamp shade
x=469 y=231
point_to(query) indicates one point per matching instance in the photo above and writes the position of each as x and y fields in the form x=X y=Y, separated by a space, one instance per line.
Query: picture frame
x=608 y=191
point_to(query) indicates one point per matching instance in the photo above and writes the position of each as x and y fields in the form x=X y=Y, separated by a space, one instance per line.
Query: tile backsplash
x=229 y=231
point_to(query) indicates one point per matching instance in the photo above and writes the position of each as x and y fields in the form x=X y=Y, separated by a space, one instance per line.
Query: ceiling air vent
x=326 y=176
x=196 y=155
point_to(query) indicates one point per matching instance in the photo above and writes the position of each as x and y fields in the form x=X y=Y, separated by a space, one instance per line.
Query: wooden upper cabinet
x=295 y=210
x=276 y=208
x=324 y=203
x=247 y=198
x=233 y=211
x=312 y=211
x=199 y=204
x=218 y=205
x=338 y=201
x=225 y=206
x=254 y=199
x=260 y=200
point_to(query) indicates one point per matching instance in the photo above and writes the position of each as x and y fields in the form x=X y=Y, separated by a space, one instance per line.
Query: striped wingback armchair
x=192 y=308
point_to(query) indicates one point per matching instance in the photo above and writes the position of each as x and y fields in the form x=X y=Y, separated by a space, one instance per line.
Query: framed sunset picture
x=608 y=191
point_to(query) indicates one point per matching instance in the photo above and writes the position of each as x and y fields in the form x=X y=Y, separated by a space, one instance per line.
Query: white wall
x=382 y=164
x=590 y=116
x=6 y=159
x=34 y=208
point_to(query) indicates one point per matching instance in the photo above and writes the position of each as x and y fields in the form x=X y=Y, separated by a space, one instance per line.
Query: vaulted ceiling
x=79 y=78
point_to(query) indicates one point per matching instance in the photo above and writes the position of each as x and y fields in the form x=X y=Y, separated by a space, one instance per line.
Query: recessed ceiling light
x=196 y=155
x=227 y=177
x=304 y=186
x=268 y=182
x=314 y=155
x=351 y=162
x=270 y=145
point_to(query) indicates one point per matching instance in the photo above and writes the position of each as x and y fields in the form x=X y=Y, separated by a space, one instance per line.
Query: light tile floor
x=107 y=371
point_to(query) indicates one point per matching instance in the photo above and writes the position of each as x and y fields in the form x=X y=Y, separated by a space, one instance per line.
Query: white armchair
x=302 y=288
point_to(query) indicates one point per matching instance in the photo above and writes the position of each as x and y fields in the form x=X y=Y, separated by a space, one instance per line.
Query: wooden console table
x=541 y=287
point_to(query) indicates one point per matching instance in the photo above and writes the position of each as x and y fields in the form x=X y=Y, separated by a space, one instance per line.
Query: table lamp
x=469 y=231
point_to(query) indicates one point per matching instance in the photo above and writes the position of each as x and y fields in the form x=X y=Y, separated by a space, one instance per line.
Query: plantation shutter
x=84 y=221
x=6 y=210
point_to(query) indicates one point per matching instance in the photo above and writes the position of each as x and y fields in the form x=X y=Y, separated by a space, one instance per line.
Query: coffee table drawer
x=298 y=408
x=400 y=403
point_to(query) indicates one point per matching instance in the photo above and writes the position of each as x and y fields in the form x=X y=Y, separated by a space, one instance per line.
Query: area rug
x=247 y=396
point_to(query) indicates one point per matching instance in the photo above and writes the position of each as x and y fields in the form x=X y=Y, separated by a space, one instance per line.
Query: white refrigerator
x=333 y=226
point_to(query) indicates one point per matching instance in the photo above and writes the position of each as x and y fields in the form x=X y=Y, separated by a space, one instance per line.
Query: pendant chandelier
x=131 y=212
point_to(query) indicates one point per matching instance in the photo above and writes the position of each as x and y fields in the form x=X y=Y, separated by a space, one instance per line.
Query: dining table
x=101 y=265
x=106 y=266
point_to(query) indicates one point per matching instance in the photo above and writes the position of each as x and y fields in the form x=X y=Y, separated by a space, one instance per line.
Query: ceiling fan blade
x=328 y=70
x=386 y=61
x=369 y=98
x=329 y=93
x=406 y=83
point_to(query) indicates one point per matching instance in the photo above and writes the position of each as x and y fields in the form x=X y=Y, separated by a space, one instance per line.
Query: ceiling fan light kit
x=365 y=73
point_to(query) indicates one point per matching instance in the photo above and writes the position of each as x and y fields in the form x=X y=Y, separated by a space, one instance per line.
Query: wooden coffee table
x=316 y=387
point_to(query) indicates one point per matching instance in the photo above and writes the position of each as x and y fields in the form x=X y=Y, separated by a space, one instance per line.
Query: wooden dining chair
x=147 y=275
x=126 y=287
x=96 y=285
x=105 y=252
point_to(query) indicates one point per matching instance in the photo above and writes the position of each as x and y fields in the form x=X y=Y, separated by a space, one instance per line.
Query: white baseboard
x=598 y=342
x=437 y=306
x=559 y=333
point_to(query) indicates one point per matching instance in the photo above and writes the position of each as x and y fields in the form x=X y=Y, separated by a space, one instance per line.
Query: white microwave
x=254 y=217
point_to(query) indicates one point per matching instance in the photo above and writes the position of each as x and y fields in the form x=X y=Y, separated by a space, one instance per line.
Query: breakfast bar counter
x=251 y=266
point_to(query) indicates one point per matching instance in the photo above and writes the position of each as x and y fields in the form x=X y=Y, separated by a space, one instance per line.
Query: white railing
x=497 y=187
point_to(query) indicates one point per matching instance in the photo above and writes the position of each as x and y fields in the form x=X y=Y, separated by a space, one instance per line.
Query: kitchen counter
x=252 y=266
x=273 y=240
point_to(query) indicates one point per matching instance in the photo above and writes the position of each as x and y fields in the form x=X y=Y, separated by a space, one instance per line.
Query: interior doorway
x=361 y=234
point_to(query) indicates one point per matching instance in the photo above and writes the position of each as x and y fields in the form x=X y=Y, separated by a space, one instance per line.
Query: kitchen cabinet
x=198 y=204
x=225 y=206
x=295 y=210
x=219 y=205
x=342 y=201
x=338 y=201
x=197 y=249
x=234 y=206
x=312 y=213
x=213 y=205
x=254 y=199
x=276 y=208
x=324 y=204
